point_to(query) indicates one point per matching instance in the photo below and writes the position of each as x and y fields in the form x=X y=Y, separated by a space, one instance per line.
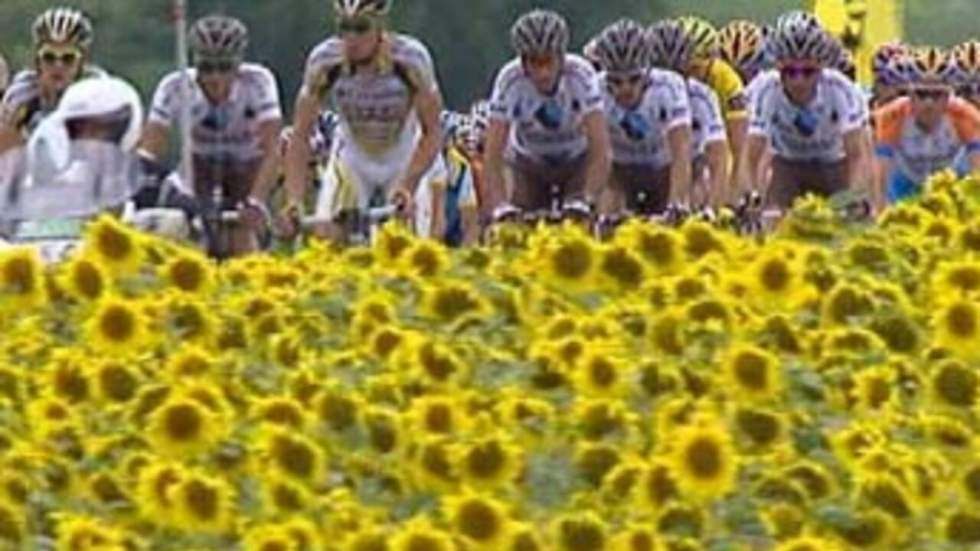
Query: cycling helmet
x=839 y=57
x=4 y=74
x=349 y=9
x=450 y=122
x=931 y=65
x=799 y=36
x=219 y=37
x=742 y=45
x=623 y=47
x=480 y=113
x=967 y=59
x=108 y=100
x=540 y=32
x=703 y=36
x=884 y=54
x=670 y=46
x=63 y=26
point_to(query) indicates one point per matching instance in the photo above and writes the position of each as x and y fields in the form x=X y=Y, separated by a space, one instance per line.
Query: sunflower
x=962 y=528
x=451 y=301
x=393 y=241
x=68 y=378
x=961 y=276
x=13 y=529
x=752 y=372
x=703 y=460
x=700 y=239
x=338 y=410
x=284 y=495
x=954 y=384
x=581 y=532
x=844 y=302
x=21 y=278
x=957 y=326
x=489 y=462
x=383 y=428
x=84 y=279
x=116 y=382
x=421 y=536
x=600 y=374
x=636 y=537
x=293 y=454
x=118 y=248
x=660 y=248
x=188 y=272
x=867 y=530
x=437 y=415
x=269 y=537
x=763 y=428
x=524 y=537
x=190 y=320
x=84 y=532
x=183 y=426
x=885 y=492
x=281 y=410
x=117 y=326
x=808 y=543
x=190 y=361
x=203 y=503
x=425 y=259
x=655 y=487
x=621 y=268
x=568 y=259
x=594 y=461
x=775 y=279
x=482 y=521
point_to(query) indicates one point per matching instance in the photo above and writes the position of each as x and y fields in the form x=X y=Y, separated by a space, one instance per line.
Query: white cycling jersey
x=814 y=132
x=375 y=104
x=707 y=121
x=546 y=128
x=22 y=105
x=228 y=131
x=639 y=135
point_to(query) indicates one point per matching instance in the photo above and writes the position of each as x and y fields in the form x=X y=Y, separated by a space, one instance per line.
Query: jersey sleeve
x=267 y=103
x=586 y=83
x=323 y=61
x=504 y=98
x=966 y=121
x=855 y=110
x=760 y=119
x=715 y=130
x=888 y=127
x=731 y=91
x=422 y=70
x=677 y=102
x=163 y=107
x=15 y=106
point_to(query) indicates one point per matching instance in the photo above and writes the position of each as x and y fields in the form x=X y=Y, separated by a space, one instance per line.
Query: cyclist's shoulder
x=256 y=74
x=329 y=51
x=510 y=75
x=724 y=79
x=664 y=79
x=765 y=83
x=577 y=70
x=960 y=109
x=408 y=48
x=838 y=81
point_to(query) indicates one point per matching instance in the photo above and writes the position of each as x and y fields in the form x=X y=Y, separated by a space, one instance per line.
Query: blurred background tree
x=134 y=38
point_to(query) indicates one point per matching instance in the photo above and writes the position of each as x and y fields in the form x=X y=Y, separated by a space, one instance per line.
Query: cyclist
x=649 y=121
x=547 y=126
x=811 y=118
x=62 y=39
x=455 y=208
x=967 y=59
x=927 y=131
x=707 y=66
x=384 y=88
x=4 y=75
x=888 y=68
x=743 y=46
x=236 y=122
x=671 y=49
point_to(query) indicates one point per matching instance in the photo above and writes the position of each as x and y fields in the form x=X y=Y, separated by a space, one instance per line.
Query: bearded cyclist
x=384 y=87
x=649 y=121
x=236 y=122
x=926 y=132
x=671 y=48
x=812 y=118
x=547 y=126
x=62 y=39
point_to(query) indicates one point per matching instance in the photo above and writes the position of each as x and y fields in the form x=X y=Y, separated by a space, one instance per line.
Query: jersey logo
x=549 y=115
x=634 y=126
x=216 y=120
x=806 y=123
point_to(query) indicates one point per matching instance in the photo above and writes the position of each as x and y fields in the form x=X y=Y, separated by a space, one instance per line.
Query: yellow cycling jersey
x=727 y=84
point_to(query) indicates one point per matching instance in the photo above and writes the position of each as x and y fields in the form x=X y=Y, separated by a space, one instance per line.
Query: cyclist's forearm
x=680 y=169
x=9 y=139
x=737 y=138
x=298 y=152
x=718 y=162
x=425 y=154
x=599 y=161
x=748 y=167
x=265 y=177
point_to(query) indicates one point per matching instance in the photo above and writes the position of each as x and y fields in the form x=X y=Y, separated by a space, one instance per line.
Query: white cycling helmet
x=349 y=9
x=540 y=32
x=63 y=26
x=623 y=47
x=670 y=45
x=219 y=37
x=799 y=36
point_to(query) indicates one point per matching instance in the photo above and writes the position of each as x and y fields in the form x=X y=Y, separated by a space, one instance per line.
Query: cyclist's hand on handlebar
x=404 y=199
x=287 y=220
x=253 y=214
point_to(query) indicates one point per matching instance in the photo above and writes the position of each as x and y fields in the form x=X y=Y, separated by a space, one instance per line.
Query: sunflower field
x=667 y=390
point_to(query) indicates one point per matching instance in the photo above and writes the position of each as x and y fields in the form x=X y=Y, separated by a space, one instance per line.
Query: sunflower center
x=295 y=458
x=114 y=244
x=658 y=248
x=201 y=500
x=581 y=536
x=486 y=460
x=20 y=275
x=623 y=268
x=961 y=320
x=704 y=458
x=572 y=260
x=478 y=520
x=87 y=280
x=603 y=373
x=775 y=276
x=752 y=371
x=183 y=422
x=187 y=275
x=963 y=528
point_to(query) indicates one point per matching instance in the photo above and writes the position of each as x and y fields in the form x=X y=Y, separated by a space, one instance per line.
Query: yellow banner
x=862 y=25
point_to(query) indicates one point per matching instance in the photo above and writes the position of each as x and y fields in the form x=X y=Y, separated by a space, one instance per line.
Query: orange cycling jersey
x=918 y=152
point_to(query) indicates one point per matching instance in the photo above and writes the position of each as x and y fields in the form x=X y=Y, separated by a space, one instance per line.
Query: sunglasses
x=64 y=57
x=793 y=72
x=617 y=81
x=969 y=90
x=931 y=94
x=212 y=67
x=355 y=26
x=539 y=60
